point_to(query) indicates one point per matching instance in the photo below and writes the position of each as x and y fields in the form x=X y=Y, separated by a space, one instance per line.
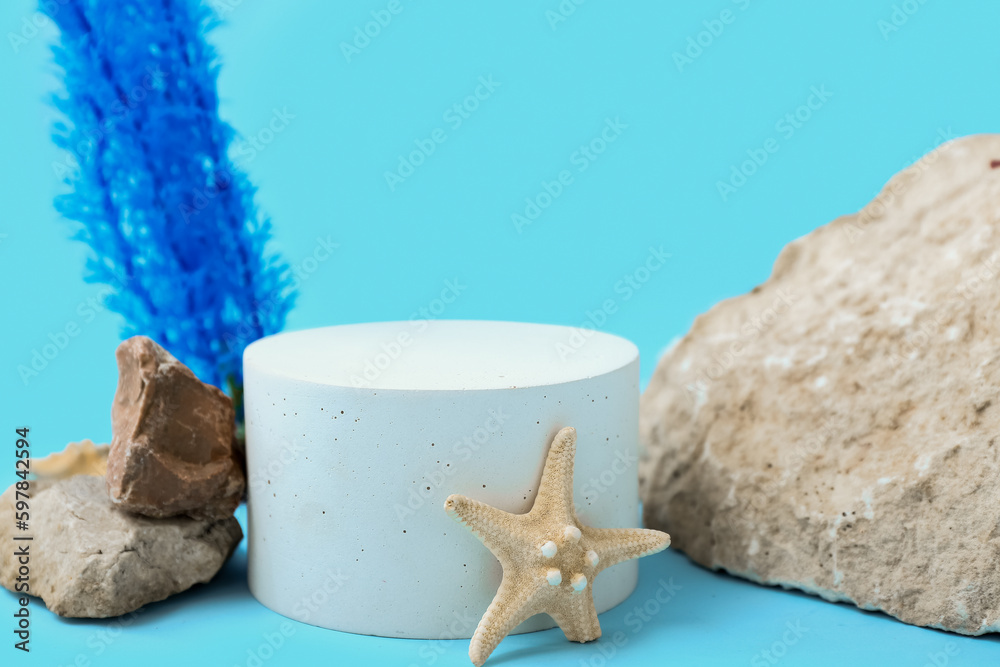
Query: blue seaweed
x=170 y=220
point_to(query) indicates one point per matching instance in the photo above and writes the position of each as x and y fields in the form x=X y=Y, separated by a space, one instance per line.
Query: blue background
x=894 y=95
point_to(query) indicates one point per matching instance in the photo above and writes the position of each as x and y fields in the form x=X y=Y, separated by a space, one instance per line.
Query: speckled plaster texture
x=346 y=483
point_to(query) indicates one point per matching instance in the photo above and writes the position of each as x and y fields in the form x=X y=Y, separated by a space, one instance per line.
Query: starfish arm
x=555 y=491
x=514 y=602
x=617 y=545
x=579 y=622
x=491 y=525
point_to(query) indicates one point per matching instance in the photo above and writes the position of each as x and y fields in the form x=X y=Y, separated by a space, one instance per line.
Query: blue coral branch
x=170 y=220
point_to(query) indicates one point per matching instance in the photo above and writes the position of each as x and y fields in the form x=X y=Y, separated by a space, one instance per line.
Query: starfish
x=549 y=558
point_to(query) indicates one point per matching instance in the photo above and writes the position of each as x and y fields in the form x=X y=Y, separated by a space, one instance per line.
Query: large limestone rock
x=172 y=438
x=837 y=429
x=91 y=559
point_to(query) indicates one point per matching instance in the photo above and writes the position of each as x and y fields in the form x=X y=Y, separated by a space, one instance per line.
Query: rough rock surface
x=172 y=445
x=77 y=458
x=837 y=429
x=90 y=559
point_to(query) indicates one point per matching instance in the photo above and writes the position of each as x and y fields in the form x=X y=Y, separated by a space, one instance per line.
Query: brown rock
x=92 y=560
x=172 y=445
x=837 y=429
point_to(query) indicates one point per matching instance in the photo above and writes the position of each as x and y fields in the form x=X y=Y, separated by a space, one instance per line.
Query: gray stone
x=837 y=429
x=90 y=559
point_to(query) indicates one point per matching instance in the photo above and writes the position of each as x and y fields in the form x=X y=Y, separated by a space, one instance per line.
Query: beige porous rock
x=837 y=429
x=77 y=458
x=90 y=559
x=172 y=445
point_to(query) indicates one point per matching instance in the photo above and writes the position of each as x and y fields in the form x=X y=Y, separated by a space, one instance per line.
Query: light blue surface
x=322 y=180
x=680 y=614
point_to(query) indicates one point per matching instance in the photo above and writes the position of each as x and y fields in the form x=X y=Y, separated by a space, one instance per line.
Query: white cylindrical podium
x=356 y=434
